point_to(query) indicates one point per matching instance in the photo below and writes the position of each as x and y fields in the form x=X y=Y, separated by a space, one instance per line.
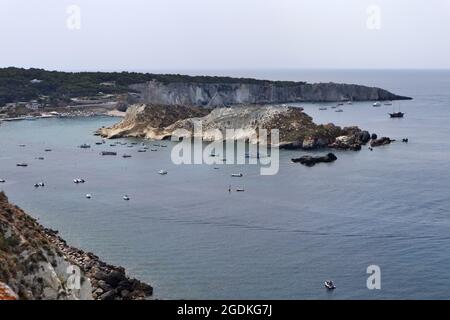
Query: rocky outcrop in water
x=36 y=264
x=380 y=142
x=311 y=161
x=260 y=92
x=296 y=129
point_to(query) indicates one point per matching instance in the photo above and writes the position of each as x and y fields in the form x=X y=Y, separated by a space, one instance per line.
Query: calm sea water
x=282 y=237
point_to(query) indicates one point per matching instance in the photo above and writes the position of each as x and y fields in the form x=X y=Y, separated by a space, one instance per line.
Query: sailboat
x=398 y=114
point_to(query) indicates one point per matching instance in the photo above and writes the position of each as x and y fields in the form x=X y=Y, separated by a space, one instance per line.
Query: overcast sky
x=151 y=35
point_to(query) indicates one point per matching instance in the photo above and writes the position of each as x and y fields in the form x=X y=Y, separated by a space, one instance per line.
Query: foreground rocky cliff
x=260 y=92
x=296 y=129
x=35 y=264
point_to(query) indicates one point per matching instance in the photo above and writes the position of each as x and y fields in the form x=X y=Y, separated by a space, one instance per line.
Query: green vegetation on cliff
x=16 y=84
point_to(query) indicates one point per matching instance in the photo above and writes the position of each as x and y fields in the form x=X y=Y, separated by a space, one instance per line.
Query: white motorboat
x=377 y=104
x=126 y=198
x=237 y=175
x=88 y=196
x=329 y=285
x=162 y=172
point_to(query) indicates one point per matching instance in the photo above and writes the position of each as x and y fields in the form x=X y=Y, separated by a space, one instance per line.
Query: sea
x=189 y=237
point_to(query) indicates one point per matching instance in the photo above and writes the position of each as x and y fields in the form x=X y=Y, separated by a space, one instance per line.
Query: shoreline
x=52 y=257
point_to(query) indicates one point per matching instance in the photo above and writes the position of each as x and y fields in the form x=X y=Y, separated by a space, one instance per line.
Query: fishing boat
x=126 y=156
x=237 y=175
x=142 y=150
x=48 y=150
x=338 y=110
x=240 y=190
x=85 y=146
x=323 y=108
x=23 y=164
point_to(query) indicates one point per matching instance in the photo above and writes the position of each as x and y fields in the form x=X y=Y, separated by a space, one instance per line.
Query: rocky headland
x=36 y=264
x=297 y=130
x=238 y=92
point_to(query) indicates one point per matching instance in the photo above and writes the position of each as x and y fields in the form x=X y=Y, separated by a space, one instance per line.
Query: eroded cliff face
x=226 y=94
x=29 y=264
x=296 y=129
x=37 y=264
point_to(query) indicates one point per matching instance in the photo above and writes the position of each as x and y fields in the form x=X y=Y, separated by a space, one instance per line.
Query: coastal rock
x=311 y=161
x=34 y=263
x=380 y=142
x=296 y=129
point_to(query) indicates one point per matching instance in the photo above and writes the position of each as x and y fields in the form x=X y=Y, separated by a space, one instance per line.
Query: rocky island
x=297 y=129
x=36 y=264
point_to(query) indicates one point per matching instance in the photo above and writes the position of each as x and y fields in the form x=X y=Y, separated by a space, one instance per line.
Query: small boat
x=40 y=184
x=240 y=190
x=108 y=153
x=22 y=164
x=2 y=180
x=156 y=145
x=237 y=175
x=153 y=150
x=142 y=150
x=333 y=107
x=216 y=168
x=77 y=181
x=163 y=146
x=388 y=103
x=329 y=285
x=39 y=158
x=126 y=156
x=88 y=196
x=349 y=102
x=85 y=146
x=376 y=104
x=338 y=110
x=126 y=198
x=340 y=104
x=396 y=115
x=162 y=172
x=22 y=145
x=48 y=150
x=323 y=108
x=99 y=143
